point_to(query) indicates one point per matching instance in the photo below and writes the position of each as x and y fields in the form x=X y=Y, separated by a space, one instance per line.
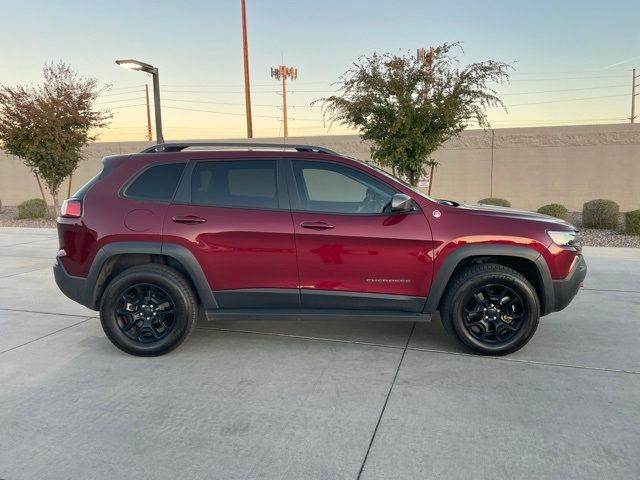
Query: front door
x=352 y=251
x=234 y=217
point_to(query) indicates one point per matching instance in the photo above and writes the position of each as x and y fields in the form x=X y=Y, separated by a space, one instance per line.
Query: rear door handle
x=188 y=219
x=316 y=225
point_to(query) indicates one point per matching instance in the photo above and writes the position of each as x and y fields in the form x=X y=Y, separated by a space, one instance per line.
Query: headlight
x=564 y=238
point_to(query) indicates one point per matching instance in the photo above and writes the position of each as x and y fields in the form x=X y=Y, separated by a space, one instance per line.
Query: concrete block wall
x=529 y=167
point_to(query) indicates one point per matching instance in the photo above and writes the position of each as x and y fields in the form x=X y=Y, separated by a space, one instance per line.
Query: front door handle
x=188 y=219
x=316 y=225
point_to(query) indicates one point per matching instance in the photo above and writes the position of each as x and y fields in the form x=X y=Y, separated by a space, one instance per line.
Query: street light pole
x=156 y=104
x=145 y=67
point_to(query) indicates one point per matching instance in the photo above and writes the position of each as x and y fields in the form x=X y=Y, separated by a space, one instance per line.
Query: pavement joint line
x=301 y=337
x=25 y=243
x=23 y=273
x=418 y=349
x=609 y=290
x=45 y=336
x=48 y=257
x=522 y=360
x=386 y=400
x=46 y=313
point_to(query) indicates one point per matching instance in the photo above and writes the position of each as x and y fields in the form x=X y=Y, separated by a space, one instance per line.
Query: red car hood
x=491 y=210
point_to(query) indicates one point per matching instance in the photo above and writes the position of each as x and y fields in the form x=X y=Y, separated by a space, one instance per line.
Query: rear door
x=234 y=216
x=352 y=251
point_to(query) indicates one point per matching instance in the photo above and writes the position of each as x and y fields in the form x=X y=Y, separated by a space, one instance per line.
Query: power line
x=138 y=85
x=120 y=93
x=217 y=112
x=574 y=72
x=564 y=101
x=108 y=102
x=329 y=82
x=561 y=78
x=118 y=107
x=234 y=103
x=564 y=90
x=558 y=122
x=236 y=114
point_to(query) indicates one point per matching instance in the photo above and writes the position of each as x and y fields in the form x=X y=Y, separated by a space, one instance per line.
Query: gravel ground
x=9 y=218
x=590 y=237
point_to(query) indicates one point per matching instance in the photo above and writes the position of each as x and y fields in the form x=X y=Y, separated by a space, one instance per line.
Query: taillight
x=71 y=208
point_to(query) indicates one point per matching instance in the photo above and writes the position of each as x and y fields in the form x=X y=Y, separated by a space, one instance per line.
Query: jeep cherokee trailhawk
x=266 y=231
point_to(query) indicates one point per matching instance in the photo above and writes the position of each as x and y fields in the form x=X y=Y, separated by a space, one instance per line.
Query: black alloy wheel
x=493 y=313
x=491 y=309
x=146 y=313
x=148 y=310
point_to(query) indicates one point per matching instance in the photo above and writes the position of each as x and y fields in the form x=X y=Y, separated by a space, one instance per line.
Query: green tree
x=408 y=106
x=48 y=125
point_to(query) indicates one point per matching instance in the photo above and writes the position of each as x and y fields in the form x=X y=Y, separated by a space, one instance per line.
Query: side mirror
x=401 y=203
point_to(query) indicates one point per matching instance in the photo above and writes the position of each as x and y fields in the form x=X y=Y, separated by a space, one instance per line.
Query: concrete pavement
x=325 y=400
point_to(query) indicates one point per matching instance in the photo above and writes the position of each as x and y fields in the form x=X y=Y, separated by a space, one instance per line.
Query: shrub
x=34 y=208
x=600 y=213
x=499 y=202
x=632 y=222
x=555 y=210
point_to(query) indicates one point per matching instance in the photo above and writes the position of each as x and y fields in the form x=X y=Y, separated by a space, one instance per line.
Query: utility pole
x=146 y=92
x=427 y=61
x=247 y=88
x=283 y=72
x=634 y=77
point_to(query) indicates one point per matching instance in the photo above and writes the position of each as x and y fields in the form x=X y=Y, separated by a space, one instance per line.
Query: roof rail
x=178 y=147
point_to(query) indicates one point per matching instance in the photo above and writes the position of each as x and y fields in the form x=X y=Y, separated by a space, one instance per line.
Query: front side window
x=328 y=187
x=242 y=183
x=156 y=183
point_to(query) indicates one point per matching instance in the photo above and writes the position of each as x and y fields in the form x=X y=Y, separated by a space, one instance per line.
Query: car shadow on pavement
x=428 y=335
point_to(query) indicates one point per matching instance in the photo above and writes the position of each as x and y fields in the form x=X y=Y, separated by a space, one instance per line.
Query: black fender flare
x=178 y=252
x=445 y=272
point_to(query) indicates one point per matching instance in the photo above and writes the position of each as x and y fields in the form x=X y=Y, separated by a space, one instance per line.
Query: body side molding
x=314 y=314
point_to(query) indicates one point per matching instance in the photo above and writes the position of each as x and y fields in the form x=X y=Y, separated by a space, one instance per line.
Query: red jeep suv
x=267 y=231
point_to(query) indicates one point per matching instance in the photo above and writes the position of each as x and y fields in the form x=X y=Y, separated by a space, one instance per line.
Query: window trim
x=183 y=192
x=296 y=197
x=122 y=192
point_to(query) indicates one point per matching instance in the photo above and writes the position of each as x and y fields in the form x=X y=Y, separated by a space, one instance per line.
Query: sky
x=572 y=59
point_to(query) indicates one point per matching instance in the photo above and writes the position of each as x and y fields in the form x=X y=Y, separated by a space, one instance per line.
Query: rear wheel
x=148 y=310
x=491 y=309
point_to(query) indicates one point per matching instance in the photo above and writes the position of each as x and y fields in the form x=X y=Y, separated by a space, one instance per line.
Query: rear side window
x=243 y=183
x=156 y=183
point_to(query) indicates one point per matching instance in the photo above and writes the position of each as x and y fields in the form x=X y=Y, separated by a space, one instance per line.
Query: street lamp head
x=137 y=65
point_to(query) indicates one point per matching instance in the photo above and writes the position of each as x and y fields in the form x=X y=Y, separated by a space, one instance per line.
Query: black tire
x=158 y=310
x=491 y=309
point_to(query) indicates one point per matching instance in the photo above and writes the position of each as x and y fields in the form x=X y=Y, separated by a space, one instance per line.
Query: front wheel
x=491 y=309
x=148 y=310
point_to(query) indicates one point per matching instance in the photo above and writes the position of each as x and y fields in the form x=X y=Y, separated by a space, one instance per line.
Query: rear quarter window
x=156 y=183
x=85 y=188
